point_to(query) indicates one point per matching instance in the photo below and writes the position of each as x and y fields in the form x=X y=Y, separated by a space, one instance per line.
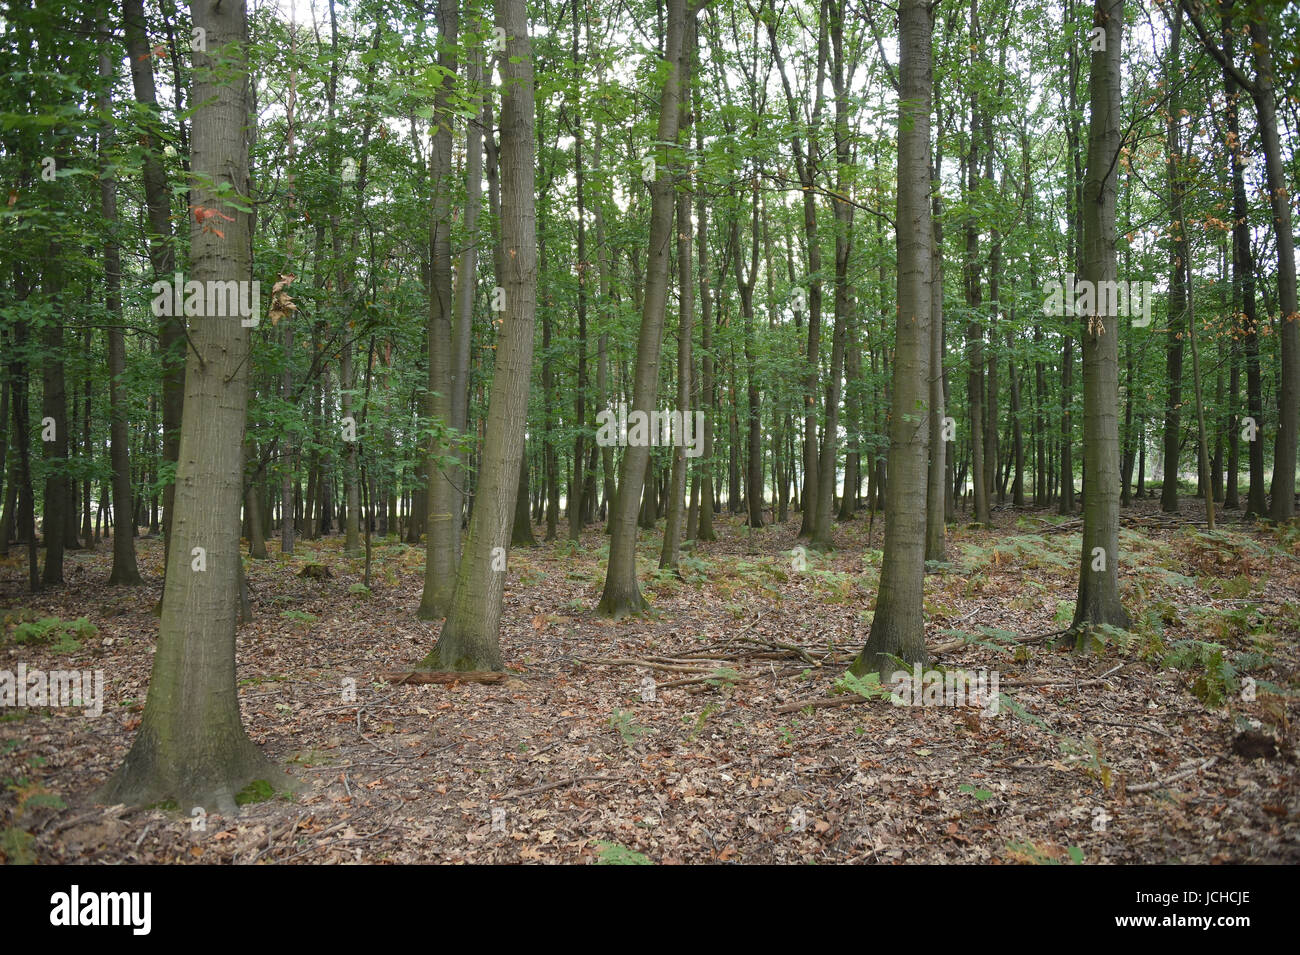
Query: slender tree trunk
x=805 y=165
x=466 y=282
x=470 y=636
x=621 y=594
x=708 y=397
x=898 y=626
x=1282 y=497
x=162 y=255
x=125 y=570
x=1099 y=601
x=288 y=478
x=54 y=426
x=1179 y=249
x=936 y=530
x=443 y=518
x=1207 y=484
x=974 y=304
x=668 y=558
x=1017 y=433
x=577 y=499
x=843 y=213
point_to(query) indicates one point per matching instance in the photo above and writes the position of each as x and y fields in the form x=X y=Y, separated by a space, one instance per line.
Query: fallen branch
x=1162 y=783
x=1055 y=681
x=958 y=644
x=555 y=785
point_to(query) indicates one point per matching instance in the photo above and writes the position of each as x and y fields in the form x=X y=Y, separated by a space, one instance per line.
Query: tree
x=470 y=636
x=443 y=525
x=1261 y=89
x=191 y=746
x=898 y=626
x=1243 y=268
x=125 y=571
x=670 y=552
x=805 y=161
x=1099 y=601
x=622 y=595
x=162 y=252
x=1179 y=256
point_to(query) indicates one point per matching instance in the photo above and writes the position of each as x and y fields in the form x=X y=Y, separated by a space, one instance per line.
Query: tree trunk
x=191 y=746
x=125 y=570
x=704 y=530
x=162 y=256
x=470 y=636
x=1282 y=503
x=522 y=531
x=805 y=165
x=1099 y=601
x=898 y=626
x=669 y=556
x=1178 y=261
x=936 y=530
x=442 y=525
x=54 y=426
x=621 y=594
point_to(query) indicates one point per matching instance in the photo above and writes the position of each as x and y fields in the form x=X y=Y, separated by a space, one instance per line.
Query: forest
x=673 y=432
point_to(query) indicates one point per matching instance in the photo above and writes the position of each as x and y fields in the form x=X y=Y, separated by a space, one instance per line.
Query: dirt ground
x=712 y=730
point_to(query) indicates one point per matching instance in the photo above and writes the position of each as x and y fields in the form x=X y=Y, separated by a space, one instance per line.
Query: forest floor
x=1171 y=742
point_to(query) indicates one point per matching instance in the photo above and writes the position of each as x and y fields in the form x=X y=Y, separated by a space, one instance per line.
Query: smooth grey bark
x=971 y=273
x=704 y=522
x=54 y=414
x=577 y=504
x=1243 y=274
x=898 y=626
x=1282 y=493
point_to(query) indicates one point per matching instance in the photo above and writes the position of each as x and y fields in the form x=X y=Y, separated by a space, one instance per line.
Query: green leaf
x=613 y=853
